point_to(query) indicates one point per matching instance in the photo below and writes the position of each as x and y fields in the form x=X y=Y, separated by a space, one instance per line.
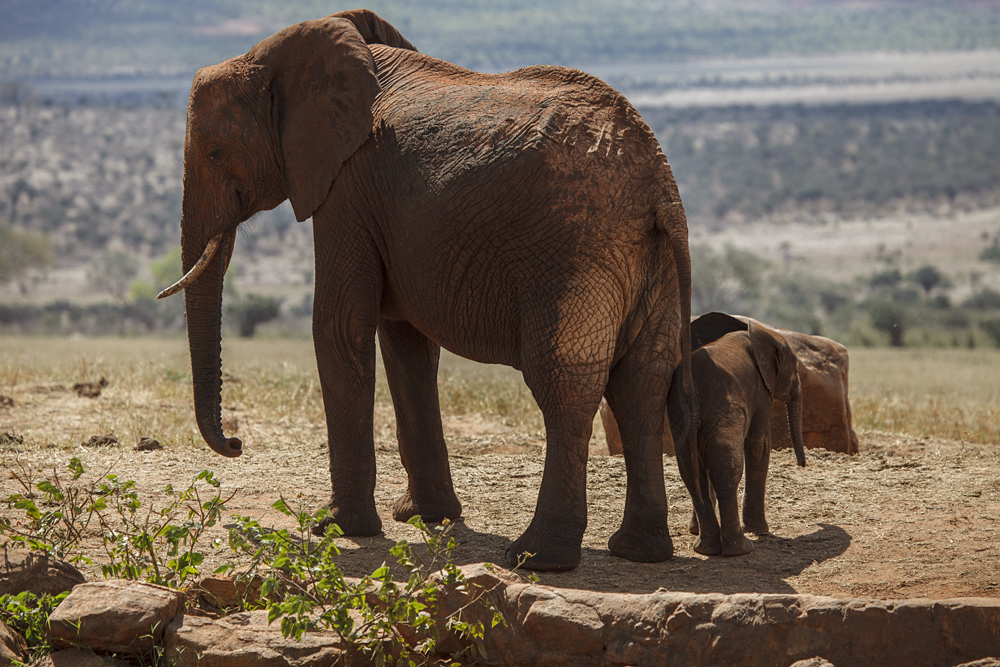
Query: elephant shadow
x=774 y=560
x=766 y=569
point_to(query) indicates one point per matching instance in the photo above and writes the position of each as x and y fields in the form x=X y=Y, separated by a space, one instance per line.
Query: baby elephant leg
x=725 y=475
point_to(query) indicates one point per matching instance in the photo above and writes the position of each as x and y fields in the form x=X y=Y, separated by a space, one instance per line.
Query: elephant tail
x=678 y=409
x=682 y=401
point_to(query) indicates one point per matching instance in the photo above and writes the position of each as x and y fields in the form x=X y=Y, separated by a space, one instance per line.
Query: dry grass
x=270 y=389
x=953 y=394
x=273 y=391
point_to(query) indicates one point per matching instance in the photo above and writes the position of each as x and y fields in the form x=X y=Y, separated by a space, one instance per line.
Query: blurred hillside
x=46 y=38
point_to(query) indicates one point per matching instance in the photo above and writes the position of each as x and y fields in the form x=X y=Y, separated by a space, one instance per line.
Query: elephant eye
x=215 y=155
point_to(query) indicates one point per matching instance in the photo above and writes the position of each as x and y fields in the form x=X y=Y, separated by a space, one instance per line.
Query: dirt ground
x=908 y=517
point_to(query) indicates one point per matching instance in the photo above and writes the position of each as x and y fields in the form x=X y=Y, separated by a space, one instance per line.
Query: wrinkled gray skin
x=527 y=219
x=738 y=370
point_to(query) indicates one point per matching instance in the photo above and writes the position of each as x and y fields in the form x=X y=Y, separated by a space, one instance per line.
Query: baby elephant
x=736 y=377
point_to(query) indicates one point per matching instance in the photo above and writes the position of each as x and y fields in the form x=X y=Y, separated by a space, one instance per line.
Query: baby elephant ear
x=710 y=327
x=322 y=86
x=776 y=362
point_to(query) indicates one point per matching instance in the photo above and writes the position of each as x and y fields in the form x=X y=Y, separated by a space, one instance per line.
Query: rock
x=25 y=571
x=569 y=627
x=11 y=441
x=228 y=592
x=12 y=647
x=246 y=639
x=148 y=445
x=73 y=657
x=106 y=440
x=473 y=600
x=115 y=616
x=90 y=389
x=6 y=401
x=826 y=407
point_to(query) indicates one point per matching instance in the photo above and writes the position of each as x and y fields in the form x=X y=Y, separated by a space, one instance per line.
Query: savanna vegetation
x=947 y=393
x=99 y=188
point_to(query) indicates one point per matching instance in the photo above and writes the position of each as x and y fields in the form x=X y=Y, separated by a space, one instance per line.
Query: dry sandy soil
x=908 y=517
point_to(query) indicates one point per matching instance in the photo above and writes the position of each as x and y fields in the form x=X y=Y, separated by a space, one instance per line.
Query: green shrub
x=303 y=587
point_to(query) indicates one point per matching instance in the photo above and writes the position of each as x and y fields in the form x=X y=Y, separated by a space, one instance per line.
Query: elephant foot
x=540 y=550
x=363 y=522
x=756 y=526
x=430 y=510
x=642 y=544
x=737 y=546
x=708 y=546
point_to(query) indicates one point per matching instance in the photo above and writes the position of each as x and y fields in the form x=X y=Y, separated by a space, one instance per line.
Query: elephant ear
x=322 y=85
x=710 y=327
x=775 y=360
x=374 y=29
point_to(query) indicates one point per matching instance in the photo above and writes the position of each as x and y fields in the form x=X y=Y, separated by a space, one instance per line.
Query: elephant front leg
x=349 y=400
x=345 y=313
x=411 y=365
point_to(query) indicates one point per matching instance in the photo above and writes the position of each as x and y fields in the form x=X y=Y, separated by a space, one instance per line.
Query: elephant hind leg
x=723 y=446
x=411 y=366
x=637 y=393
x=758 y=457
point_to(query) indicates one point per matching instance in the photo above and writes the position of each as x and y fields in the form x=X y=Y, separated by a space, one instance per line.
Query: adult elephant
x=527 y=219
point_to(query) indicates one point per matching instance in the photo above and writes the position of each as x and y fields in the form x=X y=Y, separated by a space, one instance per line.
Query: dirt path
x=907 y=518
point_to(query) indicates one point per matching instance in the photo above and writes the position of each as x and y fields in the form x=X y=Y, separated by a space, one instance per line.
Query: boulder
x=13 y=648
x=571 y=627
x=26 y=571
x=114 y=616
x=245 y=639
x=826 y=407
x=228 y=592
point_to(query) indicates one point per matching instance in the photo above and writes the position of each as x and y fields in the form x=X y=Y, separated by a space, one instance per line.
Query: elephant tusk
x=192 y=275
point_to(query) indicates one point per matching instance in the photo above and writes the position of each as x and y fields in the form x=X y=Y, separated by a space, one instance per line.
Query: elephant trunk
x=794 y=411
x=203 y=303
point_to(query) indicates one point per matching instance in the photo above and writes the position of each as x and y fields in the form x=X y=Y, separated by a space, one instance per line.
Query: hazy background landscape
x=837 y=160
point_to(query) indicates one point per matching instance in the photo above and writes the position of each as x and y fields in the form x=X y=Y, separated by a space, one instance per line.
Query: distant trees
x=113 y=272
x=747 y=163
x=992 y=328
x=252 y=310
x=890 y=318
x=21 y=251
x=724 y=281
x=928 y=277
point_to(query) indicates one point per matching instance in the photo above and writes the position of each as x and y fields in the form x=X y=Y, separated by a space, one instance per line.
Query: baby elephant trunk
x=794 y=410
